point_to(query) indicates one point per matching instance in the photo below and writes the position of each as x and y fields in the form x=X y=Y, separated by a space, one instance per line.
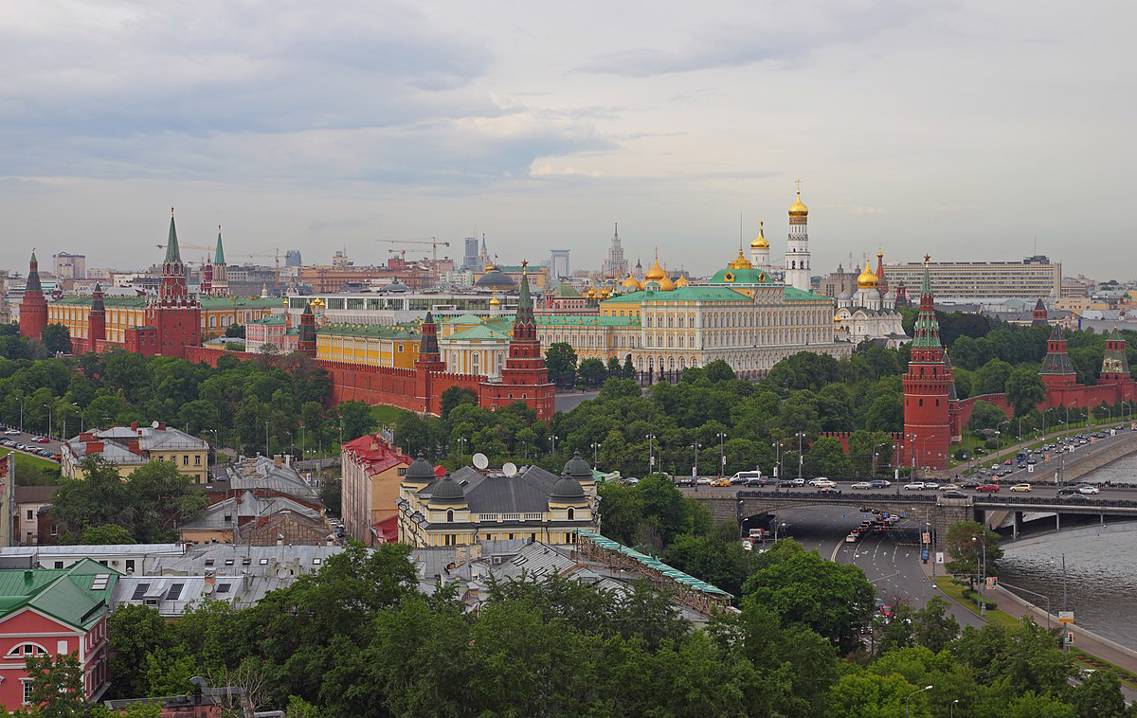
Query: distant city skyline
x=969 y=131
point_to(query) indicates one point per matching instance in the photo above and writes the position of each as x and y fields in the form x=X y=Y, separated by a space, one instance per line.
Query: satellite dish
x=154 y=425
x=509 y=469
x=481 y=461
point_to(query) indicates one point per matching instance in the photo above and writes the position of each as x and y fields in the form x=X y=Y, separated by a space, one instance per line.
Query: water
x=1101 y=570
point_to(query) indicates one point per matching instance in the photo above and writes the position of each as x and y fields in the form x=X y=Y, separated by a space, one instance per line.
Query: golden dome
x=866 y=279
x=631 y=283
x=760 y=242
x=494 y=301
x=656 y=272
x=741 y=262
x=491 y=267
x=682 y=282
x=665 y=284
x=798 y=208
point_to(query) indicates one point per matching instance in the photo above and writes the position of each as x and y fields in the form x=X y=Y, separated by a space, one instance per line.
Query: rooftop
x=78 y=595
x=699 y=293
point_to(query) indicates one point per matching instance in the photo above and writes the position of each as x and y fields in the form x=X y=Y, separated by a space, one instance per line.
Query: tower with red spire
x=175 y=315
x=524 y=377
x=927 y=389
x=33 y=306
x=96 y=320
x=306 y=340
x=428 y=364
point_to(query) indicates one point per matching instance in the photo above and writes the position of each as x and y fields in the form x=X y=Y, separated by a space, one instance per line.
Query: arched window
x=449 y=516
x=571 y=514
x=27 y=649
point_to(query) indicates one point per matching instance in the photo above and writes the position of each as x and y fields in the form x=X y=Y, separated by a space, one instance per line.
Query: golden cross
x=797 y=182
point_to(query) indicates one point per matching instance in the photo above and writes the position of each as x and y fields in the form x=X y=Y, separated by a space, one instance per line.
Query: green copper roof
x=272 y=320
x=793 y=294
x=460 y=319
x=587 y=320
x=210 y=303
x=372 y=331
x=566 y=291
x=77 y=595
x=173 y=255
x=480 y=332
x=741 y=276
x=524 y=301
x=700 y=293
x=219 y=253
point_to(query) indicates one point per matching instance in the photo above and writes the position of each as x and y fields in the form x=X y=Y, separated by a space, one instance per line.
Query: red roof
x=387 y=530
x=375 y=454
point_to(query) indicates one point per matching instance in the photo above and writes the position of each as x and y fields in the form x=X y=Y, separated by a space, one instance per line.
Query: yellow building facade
x=369 y=345
x=128 y=448
x=217 y=314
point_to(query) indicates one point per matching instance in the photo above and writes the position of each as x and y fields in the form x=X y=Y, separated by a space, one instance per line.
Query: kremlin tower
x=33 y=306
x=96 y=320
x=798 y=266
x=173 y=320
x=524 y=377
x=306 y=340
x=429 y=362
x=927 y=390
x=219 y=279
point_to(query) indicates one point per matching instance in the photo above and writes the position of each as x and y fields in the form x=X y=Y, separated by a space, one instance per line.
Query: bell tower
x=798 y=265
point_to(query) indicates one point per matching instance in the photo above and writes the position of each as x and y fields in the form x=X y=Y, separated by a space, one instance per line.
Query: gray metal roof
x=261 y=472
x=527 y=492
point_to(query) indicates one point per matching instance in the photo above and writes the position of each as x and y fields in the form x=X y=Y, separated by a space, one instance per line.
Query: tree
x=355 y=419
x=991 y=378
x=985 y=415
x=719 y=371
x=826 y=458
x=933 y=626
x=106 y=534
x=56 y=339
x=592 y=372
x=1025 y=390
x=134 y=632
x=1099 y=696
x=629 y=368
x=835 y=600
x=861 y=693
x=560 y=359
x=614 y=368
x=331 y=494
x=57 y=686
x=965 y=547
x=455 y=396
x=235 y=331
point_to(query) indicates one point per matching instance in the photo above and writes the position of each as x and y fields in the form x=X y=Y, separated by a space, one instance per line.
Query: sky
x=966 y=130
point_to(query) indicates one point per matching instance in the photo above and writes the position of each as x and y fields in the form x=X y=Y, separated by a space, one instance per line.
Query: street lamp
x=982 y=575
x=951 y=708
x=554 y=438
x=721 y=436
x=907 y=706
x=48 y=420
x=778 y=525
x=800 y=458
x=650 y=454
x=595 y=447
x=695 y=466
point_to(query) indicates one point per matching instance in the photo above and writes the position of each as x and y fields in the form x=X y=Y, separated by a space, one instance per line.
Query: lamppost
x=800 y=458
x=875 y=454
x=951 y=708
x=554 y=438
x=462 y=441
x=721 y=436
x=777 y=458
x=907 y=706
x=595 y=447
x=48 y=420
x=982 y=575
x=695 y=466
x=778 y=525
x=650 y=453
x=21 y=414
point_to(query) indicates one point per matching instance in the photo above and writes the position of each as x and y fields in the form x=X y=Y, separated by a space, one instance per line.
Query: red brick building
x=33 y=306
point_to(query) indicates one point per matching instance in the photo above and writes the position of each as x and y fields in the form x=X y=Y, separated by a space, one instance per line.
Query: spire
x=927 y=329
x=219 y=253
x=33 y=284
x=173 y=255
x=428 y=347
x=524 y=299
x=97 y=298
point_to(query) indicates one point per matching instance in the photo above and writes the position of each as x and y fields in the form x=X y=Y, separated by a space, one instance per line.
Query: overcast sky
x=970 y=130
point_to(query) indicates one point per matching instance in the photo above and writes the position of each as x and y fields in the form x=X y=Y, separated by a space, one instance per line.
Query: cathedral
x=869 y=312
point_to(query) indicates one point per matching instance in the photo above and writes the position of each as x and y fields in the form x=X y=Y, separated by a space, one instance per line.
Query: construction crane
x=434 y=245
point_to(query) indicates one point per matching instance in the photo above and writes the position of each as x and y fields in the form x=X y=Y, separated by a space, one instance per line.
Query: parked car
x=914 y=486
x=861 y=485
x=1021 y=488
x=988 y=488
x=880 y=484
x=799 y=482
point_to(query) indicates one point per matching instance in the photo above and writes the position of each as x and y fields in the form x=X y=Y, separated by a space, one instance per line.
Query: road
x=897 y=492
x=1050 y=461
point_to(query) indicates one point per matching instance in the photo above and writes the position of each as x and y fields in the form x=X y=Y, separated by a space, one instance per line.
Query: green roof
x=272 y=320
x=375 y=331
x=694 y=293
x=77 y=596
x=793 y=294
x=742 y=276
x=482 y=331
x=206 y=302
x=653 y=563
x=566 y=291
x=173 y=256
x=219 y=253
x=585 y=320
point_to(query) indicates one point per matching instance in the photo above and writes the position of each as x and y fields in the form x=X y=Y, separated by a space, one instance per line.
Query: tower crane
x=434 y=245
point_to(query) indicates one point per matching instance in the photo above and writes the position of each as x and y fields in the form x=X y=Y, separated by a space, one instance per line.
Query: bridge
x=739 y=504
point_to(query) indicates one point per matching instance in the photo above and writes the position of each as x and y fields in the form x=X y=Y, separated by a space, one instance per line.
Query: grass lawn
x=1085 y=660
x=27 y=460
x=955 y=591
x=386 y=415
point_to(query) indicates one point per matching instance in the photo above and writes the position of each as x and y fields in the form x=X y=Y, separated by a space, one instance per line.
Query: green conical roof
x=219 y=253
x=33 y=283
x=173 y=255
x=524 y=301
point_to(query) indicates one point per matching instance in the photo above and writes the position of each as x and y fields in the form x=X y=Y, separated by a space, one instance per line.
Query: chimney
x=161 y=426
x=28 y=574
x=134 y=426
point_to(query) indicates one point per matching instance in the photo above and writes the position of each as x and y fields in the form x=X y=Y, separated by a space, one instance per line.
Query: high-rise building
x=69 y=266
x=797 y=246
x=292 y=258
x=470 y=256
x=1031 y=278
x=559 y=264
x=615 y=266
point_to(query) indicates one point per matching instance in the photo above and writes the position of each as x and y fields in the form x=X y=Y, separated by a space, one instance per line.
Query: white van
x=746 y=477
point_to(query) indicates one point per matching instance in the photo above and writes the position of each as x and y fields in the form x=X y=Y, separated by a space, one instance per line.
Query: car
x=11 y=432
x=852 y=538
x=786 y=484
x=949 y=487
x=1088 y=490
x=684 y=481
x=880 y=483
x=757 y=481
x=1021 y=488
x=861 y=485
x=822 y=483
x=798 y=481
x=971 y=484
x=828 y=491
x=1008 y=462
x=1068 y=491
x=931 y=485
x=988 y=488
x=953 y=495
x=914 y=486
x=721 y=483
x=703 y=481
x=42 y=440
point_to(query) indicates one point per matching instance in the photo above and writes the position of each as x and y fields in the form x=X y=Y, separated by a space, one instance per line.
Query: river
x=1101 y=570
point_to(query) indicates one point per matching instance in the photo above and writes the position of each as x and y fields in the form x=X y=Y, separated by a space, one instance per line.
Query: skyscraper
x=470 y=257
x=615 y=266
